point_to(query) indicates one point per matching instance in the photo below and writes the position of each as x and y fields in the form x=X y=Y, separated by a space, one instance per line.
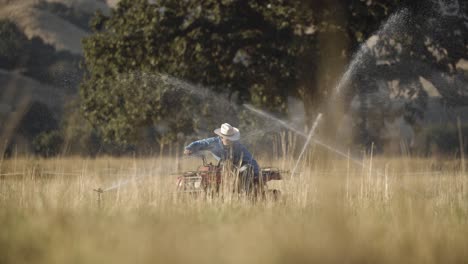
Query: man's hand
x=187 y=152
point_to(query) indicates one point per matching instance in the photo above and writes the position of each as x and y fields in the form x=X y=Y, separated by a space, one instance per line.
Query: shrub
x=443 y=139
x=48 y=143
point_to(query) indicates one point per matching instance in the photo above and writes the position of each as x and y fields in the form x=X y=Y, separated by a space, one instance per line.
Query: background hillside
x=40 y=56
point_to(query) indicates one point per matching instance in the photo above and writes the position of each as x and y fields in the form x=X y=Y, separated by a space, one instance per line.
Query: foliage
x=36 y=59
x=58 y=68
x=48 y=143
x=37 y=119
x=246 y=49
x=444 y=140
x=12 y=44
x=37 y=132
x=417 y=47
x=419 y=41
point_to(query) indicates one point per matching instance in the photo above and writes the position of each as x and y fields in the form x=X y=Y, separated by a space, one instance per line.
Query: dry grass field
x=399 y=210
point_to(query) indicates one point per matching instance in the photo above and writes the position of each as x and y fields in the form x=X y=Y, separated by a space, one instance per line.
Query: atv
x=209 y=178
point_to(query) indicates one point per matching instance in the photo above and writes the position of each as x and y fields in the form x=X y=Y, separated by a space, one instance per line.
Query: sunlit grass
x=391 y=210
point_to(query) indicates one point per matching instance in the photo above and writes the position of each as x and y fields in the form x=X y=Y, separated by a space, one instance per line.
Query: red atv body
x=209 y=177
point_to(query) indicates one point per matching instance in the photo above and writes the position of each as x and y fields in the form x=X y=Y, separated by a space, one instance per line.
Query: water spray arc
x=100 y=191
x=120 y=183
x=298 y=132
x=277 y=120
x=309 y=137
x=394 y=23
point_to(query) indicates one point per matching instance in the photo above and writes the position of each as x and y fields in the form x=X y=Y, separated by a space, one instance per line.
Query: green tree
x=247 y=49
x=48 y=143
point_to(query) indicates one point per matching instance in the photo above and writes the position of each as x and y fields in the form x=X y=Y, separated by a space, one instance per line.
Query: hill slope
x=16 y=87
x=51 y=28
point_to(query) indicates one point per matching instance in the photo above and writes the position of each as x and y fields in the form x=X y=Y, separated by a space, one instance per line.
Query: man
x=227 y=147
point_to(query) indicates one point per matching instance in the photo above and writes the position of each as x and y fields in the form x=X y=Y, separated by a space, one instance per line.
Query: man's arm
x=199 y=145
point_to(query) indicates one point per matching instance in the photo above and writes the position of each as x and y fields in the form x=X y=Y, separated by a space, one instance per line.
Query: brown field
x=411 y=211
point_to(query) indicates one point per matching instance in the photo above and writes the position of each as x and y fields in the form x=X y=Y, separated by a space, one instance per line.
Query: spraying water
x=394 y=23
x=273 y=118
x=447 y=7
x=298 y=132
x=199 y=91
x=121 y=183
x=309 y=137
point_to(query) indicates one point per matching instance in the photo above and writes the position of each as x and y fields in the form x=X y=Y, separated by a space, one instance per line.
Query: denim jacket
x=215 y=146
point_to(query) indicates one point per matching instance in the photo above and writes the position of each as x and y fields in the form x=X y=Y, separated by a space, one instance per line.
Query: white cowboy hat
x=228 y=131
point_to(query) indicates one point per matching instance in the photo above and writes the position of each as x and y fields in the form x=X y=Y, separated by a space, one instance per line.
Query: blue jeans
x=248 y=181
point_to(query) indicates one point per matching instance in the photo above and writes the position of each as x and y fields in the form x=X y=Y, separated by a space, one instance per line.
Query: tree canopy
x=248 y=50
x=259 y=52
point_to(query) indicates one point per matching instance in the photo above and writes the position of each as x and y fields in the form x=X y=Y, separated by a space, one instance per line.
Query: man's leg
x=246 y=179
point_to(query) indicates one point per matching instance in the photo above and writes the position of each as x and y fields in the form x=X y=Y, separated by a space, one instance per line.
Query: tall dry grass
x=391 y=210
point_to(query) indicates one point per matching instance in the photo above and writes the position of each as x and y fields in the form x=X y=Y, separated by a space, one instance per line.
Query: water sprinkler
x=99 y=192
